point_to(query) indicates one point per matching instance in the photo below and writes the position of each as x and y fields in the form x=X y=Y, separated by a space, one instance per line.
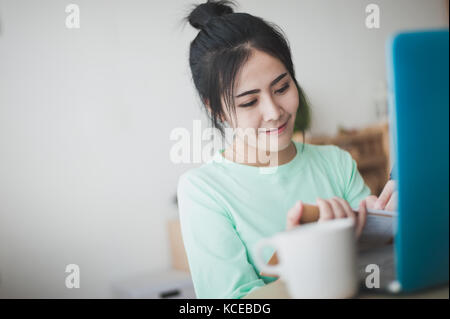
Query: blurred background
x=86 y=115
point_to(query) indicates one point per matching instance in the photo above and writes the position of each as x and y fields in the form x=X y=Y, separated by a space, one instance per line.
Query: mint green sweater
x=226 y=208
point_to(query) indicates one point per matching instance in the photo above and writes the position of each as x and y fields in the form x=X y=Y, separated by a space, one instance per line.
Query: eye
x=284 y=88
x=248 y=104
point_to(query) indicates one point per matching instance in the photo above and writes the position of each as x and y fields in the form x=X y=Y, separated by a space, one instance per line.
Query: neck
x=243 y=153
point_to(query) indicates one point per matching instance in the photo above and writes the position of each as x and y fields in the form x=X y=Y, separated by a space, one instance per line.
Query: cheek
x=290 y=101
x=248 y=118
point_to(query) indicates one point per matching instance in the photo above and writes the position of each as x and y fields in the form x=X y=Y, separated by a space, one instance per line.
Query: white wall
x=85 y=117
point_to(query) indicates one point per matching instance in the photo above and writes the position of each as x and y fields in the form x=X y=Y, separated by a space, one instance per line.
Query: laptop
x=418 y=81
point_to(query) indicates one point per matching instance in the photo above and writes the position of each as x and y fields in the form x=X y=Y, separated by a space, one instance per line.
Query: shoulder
x=205 y=174
x=198 y=194
x=202 y=184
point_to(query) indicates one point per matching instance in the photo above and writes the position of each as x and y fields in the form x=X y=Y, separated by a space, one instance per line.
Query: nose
x=271 y=111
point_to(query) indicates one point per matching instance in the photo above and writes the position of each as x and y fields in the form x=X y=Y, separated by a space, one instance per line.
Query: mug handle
x=263 y=267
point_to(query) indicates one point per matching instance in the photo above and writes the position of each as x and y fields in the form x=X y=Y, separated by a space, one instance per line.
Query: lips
x=278 y=130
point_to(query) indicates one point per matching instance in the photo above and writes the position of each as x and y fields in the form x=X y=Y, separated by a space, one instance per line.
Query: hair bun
x=202 y=13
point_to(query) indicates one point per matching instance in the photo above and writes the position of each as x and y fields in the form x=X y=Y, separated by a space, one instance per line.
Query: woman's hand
x=294 y=214
x=339 y=208
x=330 y=209
x=387 y=199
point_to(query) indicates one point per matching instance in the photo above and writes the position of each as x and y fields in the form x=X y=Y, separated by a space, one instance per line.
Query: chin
x=275 y=143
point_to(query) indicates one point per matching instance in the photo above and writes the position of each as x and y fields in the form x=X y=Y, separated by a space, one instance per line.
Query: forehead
x=259 y=70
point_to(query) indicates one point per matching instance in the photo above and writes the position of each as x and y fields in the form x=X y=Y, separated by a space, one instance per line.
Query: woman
x=243 y=71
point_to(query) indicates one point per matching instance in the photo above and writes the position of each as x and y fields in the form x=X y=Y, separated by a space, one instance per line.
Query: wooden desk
x=277 y=290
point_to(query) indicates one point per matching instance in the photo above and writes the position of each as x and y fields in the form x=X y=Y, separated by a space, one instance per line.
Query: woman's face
x=266 y=100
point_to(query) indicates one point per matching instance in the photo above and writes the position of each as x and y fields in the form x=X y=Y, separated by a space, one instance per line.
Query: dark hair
x=223 y=45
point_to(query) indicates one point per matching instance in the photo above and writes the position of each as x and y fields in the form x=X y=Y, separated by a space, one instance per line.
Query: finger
x=348 y=210
x=393 y=202
x=385 y=195
x=370 y=201
x=294 y=215
x=350 y=213
x=362 y=218
x=326 y=213
x=338 y=209
x=291 y=217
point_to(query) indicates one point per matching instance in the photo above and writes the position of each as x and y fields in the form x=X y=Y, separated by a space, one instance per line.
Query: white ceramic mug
x=316 y=260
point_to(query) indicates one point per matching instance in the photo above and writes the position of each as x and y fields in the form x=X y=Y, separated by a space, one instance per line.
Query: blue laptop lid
x=418 y=79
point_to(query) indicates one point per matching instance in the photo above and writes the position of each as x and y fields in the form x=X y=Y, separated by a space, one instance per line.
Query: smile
x=275 y=131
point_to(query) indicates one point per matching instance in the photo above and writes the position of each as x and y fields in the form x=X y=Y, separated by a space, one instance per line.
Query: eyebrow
x=278 y=79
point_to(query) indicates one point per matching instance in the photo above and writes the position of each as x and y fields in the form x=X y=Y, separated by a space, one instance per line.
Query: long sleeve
x=355 y=190
x=216 y=255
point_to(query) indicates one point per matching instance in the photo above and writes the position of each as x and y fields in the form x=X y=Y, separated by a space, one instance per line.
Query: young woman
x=243 y=71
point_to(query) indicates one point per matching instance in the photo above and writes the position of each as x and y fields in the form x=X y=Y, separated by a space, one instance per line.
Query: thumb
x=371 y=201
x=294 y=215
